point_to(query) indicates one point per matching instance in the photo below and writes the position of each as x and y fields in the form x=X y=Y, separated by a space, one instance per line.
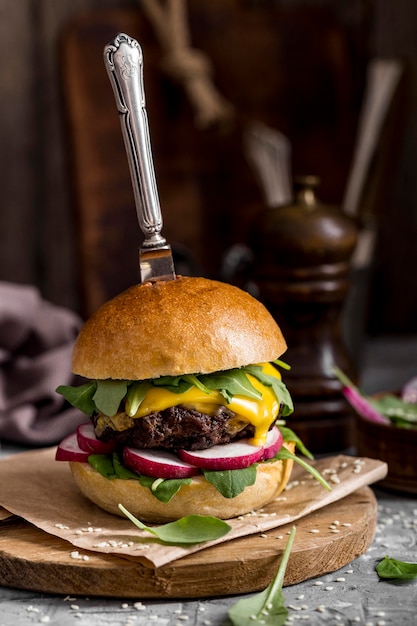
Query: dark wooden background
x=37 y=224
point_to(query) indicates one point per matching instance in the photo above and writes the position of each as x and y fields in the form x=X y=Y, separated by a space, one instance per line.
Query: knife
x=123 y=59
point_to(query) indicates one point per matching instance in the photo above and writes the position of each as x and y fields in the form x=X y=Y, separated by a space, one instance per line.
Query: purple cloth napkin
x=36 y=342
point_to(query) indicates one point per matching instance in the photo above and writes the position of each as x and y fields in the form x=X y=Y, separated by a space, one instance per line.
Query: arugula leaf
x=166 y=489
x=231 y=483
x=103 y=463
x=135 y=395
x=282 y=364
x=394 y=569
x=81 y=397
x=268 y=607
x=174 y=384
x=284 y=453
x=194 y=380
x=189 y=529
x=108 y=395
x=289 y=435
x=121 y=470
x=398 y=411
x=278 y=387
x=231 y=383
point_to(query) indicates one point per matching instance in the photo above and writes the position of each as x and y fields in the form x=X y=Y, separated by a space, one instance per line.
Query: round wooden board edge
x=31 y=559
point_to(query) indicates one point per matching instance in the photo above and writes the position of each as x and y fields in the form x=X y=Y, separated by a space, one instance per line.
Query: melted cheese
x=260 y=413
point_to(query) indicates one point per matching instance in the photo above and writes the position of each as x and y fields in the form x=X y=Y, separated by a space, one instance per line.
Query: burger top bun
x=184 y=326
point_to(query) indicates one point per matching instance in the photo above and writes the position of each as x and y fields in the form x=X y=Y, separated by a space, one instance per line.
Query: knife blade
x=123 y=58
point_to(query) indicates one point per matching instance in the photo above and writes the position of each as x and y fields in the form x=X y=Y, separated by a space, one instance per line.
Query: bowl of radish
x=386 y=429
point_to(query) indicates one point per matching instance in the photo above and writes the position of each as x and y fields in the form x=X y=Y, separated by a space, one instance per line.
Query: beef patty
x=173 y=428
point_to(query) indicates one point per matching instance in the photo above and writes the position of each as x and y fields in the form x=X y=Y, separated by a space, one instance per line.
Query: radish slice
x=158 y=463
x=363 y=407
x=273 y=444
x=69 y=450
x=409 y=391
x=88 y=441
x=235 y=455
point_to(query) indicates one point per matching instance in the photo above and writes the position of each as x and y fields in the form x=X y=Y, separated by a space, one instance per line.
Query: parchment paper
x=41 y=490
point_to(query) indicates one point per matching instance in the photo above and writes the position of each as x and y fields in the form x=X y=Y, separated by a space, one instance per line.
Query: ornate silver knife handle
x=123 y=59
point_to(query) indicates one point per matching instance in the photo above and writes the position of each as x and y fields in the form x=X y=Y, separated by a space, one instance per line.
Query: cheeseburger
x=183 y=395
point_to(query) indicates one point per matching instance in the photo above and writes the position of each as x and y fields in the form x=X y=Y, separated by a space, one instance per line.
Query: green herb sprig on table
x=268 y=607
x=394 y=569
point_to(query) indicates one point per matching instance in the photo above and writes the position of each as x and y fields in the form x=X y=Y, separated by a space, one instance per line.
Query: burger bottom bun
x=198 y=498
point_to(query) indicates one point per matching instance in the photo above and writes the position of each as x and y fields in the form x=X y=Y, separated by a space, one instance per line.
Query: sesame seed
x=318 y=583
x=329 y=588
x=45 y=619
x=340 y=580
x=314 y=530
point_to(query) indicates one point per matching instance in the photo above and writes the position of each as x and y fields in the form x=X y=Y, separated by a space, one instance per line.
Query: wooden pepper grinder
x=302 y=255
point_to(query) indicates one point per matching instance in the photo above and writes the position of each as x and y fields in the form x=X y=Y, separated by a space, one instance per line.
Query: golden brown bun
x=184 y=326
x=198 y=498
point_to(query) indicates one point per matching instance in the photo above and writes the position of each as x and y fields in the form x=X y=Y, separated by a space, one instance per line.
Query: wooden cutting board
x=32 y=559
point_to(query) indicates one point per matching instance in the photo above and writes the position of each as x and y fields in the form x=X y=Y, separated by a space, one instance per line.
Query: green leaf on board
x=187 y=530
